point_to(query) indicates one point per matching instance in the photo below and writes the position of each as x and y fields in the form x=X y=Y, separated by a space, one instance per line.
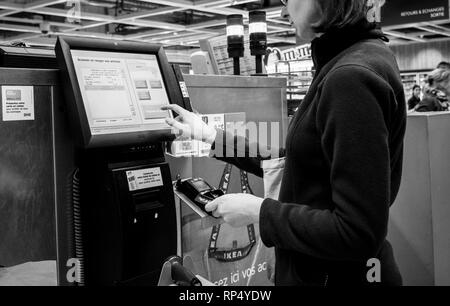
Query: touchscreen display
x=122 y=92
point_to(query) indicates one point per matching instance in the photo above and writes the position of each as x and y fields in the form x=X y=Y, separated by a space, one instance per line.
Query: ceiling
x=178 y=24
x=175 y=23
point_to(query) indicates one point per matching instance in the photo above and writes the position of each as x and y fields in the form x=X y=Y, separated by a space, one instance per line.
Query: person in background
x=415 y=99
x=430 y=101
x=439 y=79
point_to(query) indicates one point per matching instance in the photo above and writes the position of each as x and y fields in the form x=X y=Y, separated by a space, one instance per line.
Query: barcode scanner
x=180 y=275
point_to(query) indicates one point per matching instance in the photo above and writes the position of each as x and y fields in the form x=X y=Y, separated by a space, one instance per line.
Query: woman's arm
x=353 y=116
x=226 y=146
x=239 y=151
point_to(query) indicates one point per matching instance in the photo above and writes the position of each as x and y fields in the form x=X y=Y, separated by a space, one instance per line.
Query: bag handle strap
x=234 y=254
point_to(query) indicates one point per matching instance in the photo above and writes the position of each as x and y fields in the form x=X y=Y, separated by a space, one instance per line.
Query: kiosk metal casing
x=116 y=205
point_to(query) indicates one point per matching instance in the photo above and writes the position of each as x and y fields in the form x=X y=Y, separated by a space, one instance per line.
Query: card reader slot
x=145 y=201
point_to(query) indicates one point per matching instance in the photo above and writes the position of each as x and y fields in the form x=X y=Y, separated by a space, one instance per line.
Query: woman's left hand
x=236 y=209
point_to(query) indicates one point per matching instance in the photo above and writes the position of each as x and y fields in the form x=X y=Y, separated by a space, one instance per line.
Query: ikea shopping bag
x=228 y=256
x=273 y=175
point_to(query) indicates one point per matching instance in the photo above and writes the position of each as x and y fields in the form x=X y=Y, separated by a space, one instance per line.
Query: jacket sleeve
x=350 y=117
x=242 y=153
x=410 y=104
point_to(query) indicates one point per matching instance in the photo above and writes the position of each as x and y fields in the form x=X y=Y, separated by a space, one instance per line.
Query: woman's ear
x=318 y=16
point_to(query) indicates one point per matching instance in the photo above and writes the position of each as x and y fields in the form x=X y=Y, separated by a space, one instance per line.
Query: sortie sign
x=398 y=12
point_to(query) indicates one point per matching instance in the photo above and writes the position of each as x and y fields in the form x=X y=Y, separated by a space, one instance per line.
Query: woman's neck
x=328 y=45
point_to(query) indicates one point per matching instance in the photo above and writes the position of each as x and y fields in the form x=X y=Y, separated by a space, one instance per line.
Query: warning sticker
x=17 y=103
x=144 y=178
x=184 y=90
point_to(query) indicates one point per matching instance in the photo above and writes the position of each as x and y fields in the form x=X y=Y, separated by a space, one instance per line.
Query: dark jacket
x=412 y=102
x=343 y=167
x=429 y=104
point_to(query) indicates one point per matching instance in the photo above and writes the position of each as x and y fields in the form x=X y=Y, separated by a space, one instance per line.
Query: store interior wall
x=421 y=56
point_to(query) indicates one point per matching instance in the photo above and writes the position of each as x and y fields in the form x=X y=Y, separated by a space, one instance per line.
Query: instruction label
x=184 y=90
x=17 y=103
x=144 y=178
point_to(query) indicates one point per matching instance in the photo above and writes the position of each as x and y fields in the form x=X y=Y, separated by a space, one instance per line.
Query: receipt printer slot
x=145 y=201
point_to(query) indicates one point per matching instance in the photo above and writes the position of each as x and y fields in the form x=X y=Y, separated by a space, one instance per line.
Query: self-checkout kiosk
x=115 y=195
x=95 y=155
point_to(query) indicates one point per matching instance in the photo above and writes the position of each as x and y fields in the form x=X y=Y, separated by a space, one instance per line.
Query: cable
x=79 y=253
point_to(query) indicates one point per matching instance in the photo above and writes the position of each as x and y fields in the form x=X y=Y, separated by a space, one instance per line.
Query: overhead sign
x=398 y=12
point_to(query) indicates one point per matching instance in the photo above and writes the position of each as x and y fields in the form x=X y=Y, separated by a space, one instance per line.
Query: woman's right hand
x=190 y=125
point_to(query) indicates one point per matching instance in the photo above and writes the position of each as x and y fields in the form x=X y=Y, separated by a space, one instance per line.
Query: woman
x=343 y=155
x=415 y=99
x=439 y=79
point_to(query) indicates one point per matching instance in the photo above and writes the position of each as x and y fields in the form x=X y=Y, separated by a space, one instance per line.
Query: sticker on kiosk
x=17 y=103
x=144 y=179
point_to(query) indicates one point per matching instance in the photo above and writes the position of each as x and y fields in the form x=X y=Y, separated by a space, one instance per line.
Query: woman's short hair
x=438 y=76
x=415 y=86
x=338 y=14
x=443 y=65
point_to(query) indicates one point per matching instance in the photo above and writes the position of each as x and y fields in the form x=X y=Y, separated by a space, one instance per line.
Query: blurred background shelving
x=299 y=74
